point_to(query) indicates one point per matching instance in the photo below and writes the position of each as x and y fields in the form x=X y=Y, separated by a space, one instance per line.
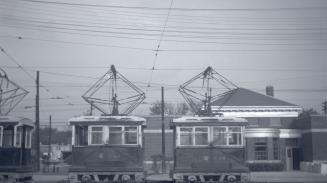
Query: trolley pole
x=163 y=143
x=37 y=122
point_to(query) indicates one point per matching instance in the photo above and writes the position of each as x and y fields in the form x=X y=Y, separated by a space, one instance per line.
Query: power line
x=159 y=42
x=181 y=17
x=178 y=9
x=23 y=69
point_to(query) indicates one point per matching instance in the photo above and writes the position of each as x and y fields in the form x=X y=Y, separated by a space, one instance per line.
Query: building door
x=296 y=152
x=289 y=158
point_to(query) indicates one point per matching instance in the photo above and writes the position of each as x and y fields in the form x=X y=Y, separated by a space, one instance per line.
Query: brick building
x=275 y=139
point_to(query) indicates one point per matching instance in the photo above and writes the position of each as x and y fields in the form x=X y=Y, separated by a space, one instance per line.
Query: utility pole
x=163 y=142
x=50 y=129
x=37 y=122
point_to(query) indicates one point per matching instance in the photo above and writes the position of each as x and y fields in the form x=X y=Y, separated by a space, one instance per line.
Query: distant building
x=275 y=138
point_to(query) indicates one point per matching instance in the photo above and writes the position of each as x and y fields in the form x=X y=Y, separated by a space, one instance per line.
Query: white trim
x=244 y=114
x=263 y=161
x=261 y=132
x=315 y=130
x=258 y=108
x=1 y=135
x=290 y=133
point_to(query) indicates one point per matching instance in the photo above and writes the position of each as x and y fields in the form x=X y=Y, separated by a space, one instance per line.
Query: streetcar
x=15 y=149
x=209 y=149
x=107 y=148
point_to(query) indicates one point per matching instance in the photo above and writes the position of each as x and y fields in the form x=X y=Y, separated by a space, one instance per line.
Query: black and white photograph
x=163 y=91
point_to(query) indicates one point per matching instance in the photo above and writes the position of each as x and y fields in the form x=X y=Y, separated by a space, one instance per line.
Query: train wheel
x=125 y=178
x=86 y=179
x=191 y=178
x=231 y=178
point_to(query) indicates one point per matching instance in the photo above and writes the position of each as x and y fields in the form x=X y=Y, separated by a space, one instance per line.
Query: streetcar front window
x=1 y=132
x=18 y=136
x=115 y=135
x=97 y=133
x=130 y=135
x=186 y=136
x=8 y=134
x=28 y=138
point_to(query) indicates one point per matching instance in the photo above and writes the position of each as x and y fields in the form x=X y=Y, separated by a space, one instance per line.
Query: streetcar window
x=80 y=135
x=130 y=135
x=201 y=136
x=219 y=136
x=1 y=129
x=186 y=136
x=115 y=135
x=28 y=137
x=8 y=135
x=18 y=136
x=235 y=136
x=96 y=135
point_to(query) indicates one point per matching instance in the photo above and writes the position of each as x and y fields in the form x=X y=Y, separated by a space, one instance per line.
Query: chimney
x=270 y=90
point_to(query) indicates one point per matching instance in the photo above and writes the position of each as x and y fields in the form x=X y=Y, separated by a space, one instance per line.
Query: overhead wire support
x=160 y=40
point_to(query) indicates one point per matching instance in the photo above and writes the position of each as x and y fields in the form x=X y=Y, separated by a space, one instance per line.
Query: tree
x=170 y=108
x=307 y=113
x=58 y=137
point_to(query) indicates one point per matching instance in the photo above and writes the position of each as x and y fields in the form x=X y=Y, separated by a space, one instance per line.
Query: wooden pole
x=37 y=122
x=163 y=143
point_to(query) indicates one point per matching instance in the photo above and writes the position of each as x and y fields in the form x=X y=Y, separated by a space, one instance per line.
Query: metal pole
x=163 y=143
x=37 y=122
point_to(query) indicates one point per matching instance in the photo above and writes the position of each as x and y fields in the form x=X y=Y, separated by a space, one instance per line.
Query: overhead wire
x=179 y=9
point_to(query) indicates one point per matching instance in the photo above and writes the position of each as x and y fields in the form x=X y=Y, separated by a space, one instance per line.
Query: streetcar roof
x=108 y=119
x=16 y=120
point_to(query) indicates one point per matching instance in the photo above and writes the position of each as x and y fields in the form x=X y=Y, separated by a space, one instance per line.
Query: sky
x=154 y=43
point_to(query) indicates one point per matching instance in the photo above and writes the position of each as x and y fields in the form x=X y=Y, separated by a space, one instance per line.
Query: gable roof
x=245 y=97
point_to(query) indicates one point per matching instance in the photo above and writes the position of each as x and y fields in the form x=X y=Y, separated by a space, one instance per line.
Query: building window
x=276 y=148
x=220 y=136
x=260 y=149
x=97 y=135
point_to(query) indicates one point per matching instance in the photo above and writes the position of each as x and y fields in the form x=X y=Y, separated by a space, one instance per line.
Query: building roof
x=245 y=97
